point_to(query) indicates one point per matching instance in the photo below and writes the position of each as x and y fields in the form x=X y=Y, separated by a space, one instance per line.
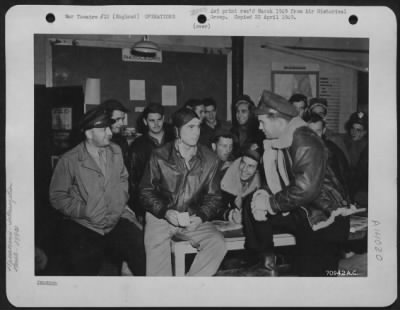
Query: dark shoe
x=269 y=263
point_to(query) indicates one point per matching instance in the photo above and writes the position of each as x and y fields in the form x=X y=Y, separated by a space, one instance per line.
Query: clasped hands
x=172 y=216
x=261 y=206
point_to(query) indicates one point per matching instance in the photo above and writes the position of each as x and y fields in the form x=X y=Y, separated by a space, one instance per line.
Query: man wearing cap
x=181 y=194
x=241 y=180
x=117 y=111
x=354 y=144
x=140 y=149
x=89 y=187
x=302 y=195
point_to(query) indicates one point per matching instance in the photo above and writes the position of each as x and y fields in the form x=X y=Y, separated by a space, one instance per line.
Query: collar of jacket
x=286 y=139
x=84 y=154
x=174 y=150
x=230 y=183
x=154 y=140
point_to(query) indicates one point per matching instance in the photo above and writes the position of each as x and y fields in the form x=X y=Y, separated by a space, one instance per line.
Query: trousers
x=85 y=249
x=317 y=253
x=206 y=238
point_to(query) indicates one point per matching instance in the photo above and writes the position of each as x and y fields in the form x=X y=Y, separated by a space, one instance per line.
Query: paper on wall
x=168 y=95
x=137 y=90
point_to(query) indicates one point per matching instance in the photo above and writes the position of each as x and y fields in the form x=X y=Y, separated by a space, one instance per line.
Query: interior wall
x=257 y=60
x=258 y=67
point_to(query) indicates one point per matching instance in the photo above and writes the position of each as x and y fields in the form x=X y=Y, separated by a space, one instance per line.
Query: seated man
x=180 y=192
x=240 y=180
x=302 y=195
x=90 y=188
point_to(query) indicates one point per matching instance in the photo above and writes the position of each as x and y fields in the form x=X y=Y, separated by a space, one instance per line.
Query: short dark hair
x=227 y=135
x=153 y=108
x=311 y=117
x=182 y=117
x=209 y=101
x=192 y=103
x=297 y=98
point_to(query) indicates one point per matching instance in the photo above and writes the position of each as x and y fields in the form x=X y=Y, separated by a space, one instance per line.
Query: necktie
x=102 y=161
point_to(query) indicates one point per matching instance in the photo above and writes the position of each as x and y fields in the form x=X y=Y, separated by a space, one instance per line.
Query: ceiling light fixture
x=145 y=48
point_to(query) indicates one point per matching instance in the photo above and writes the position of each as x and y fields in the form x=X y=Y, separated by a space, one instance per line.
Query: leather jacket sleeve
x=309 y=159
x=150 y=196
x=211 y=204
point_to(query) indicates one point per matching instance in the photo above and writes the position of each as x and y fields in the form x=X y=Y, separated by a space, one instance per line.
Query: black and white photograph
x=195 y=157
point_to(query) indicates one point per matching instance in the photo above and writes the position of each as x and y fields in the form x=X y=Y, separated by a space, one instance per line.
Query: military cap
x=359 y=118
x=271 y=102
x=96 y=118
x=318 y=102
x=253 y=151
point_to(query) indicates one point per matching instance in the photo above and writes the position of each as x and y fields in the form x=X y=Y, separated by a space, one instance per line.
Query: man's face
x=357 y=132
x=317 y=127
x=242 y=113
x=200 y=111
x=155 y=122
x=119 y=117
x=319 y=110
x=100 y=137
x=247 y=168
x=300 y=107
x=271 y=127
x=223 y=148
x=190 y=132
x=210 y=114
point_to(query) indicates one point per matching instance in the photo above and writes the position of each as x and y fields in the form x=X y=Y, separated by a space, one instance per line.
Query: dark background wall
x=195 y=75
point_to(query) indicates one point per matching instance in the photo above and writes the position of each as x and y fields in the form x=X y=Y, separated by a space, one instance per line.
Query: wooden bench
x=180 y=248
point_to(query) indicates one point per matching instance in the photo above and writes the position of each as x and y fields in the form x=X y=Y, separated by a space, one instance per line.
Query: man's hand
x=260 y=205
x=172 y=217
x=235 y=216
x=195 y=221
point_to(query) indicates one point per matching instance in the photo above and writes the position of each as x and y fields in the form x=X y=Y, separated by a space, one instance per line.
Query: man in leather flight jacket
x=180 y=193
x=302 y=195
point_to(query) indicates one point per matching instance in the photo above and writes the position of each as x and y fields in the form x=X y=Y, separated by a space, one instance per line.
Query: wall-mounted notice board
x=195 y=75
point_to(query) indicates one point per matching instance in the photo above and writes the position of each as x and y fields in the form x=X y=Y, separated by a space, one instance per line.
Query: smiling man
x=180 y=192
x=90 y=188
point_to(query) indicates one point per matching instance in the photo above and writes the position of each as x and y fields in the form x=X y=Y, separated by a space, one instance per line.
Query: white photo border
x=24 y=289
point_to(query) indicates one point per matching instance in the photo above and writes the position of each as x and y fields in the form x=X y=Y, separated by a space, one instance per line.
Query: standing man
x=117 y=111
x=197 y=106
x=90 y=188
x=140 y=150
x=302 y=194
x=210 y=123
x=222 y=145
x=299 y=101
x=180 y=192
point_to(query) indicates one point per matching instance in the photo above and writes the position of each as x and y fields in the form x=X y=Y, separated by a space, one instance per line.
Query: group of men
x=172 y=181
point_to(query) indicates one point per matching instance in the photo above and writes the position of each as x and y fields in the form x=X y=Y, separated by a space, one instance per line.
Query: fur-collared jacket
x=298 y=176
